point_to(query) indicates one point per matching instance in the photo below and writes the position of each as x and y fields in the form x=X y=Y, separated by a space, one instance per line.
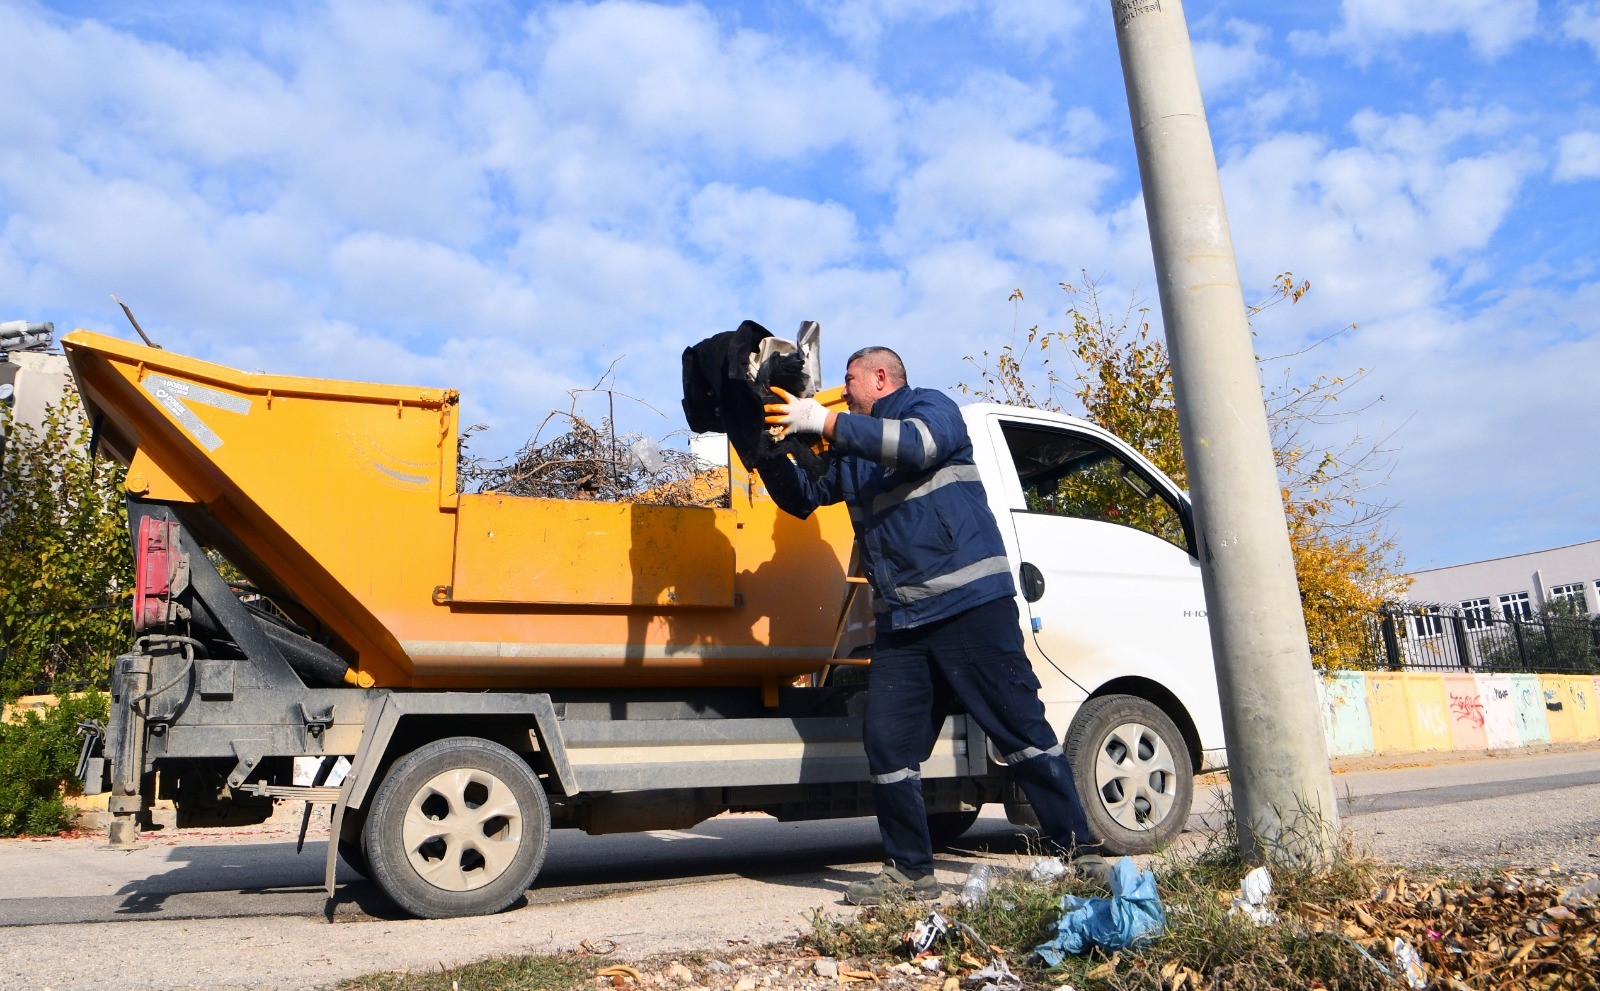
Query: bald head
x=878 y=356
x=871 y=374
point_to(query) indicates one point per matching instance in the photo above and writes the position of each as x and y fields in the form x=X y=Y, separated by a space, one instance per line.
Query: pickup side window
x=1065 y=474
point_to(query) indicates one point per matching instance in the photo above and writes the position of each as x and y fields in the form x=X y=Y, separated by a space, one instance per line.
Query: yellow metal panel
x=341 y=494
x=571 y=552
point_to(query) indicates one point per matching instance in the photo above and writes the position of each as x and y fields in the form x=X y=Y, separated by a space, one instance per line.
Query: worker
x=946 y=611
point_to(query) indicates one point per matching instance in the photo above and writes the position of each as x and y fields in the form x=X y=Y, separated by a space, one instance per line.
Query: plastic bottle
x=976 y=889
x=1587 y=893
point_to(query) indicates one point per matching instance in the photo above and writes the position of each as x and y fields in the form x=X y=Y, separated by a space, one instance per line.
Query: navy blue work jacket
x=930 y=545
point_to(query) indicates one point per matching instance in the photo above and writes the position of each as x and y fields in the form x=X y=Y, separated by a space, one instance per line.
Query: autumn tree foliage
x=1121 y=378
x=66 y=567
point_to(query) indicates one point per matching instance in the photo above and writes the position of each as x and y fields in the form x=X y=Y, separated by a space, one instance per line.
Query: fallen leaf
x=1106 y=969
x=618 y=970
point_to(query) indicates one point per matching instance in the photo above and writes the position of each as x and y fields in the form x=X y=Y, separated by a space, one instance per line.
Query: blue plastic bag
x=1132 y=913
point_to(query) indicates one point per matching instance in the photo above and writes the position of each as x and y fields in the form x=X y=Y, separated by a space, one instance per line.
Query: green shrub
x=38 y=754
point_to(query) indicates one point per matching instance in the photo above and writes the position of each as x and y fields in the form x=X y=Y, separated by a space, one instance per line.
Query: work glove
x=796 y=416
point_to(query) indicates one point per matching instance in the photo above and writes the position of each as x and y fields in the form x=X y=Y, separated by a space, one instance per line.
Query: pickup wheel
x=460 y=826
x=944 y=828
x=1133 y=773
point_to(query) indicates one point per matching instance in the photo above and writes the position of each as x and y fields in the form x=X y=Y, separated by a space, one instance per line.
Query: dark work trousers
x=975 y=661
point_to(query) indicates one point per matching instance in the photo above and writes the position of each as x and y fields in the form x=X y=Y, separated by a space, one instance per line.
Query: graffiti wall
x=1385 y=712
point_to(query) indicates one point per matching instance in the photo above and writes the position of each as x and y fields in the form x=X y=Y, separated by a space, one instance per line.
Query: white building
x=1468 y=614
x=1517 y=585
x=37 y=381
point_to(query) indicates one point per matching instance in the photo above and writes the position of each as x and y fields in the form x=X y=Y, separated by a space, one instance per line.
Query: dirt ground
x=737 y=918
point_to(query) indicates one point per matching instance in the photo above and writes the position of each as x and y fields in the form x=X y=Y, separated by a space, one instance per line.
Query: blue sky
x=506 y=198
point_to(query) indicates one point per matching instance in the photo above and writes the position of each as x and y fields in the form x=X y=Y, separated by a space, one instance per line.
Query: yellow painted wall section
x=12 y=712
x=1426 y=705
x=1557 y=712
x=1580 y=699
x=1391 y=722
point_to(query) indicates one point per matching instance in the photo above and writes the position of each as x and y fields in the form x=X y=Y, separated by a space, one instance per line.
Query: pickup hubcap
x=462 y=829
x=1135 y=775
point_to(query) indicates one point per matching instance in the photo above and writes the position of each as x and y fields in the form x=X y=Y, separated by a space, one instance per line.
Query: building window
x=1429 y=621
x=1571 y=593
x=1478 y=612
x=1515 y=605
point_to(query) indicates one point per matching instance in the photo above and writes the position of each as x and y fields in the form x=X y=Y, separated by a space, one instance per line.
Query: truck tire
x=1133 y=771
x=459 y=826
x=944 y=828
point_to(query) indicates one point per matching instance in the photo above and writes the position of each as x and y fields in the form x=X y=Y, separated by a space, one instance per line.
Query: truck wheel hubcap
x=462 y=829
x=1136 y=776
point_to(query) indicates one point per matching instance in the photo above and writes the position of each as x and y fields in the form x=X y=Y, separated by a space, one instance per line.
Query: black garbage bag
x=722 y=393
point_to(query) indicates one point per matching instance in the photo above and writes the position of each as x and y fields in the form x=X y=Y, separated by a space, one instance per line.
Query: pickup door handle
x=1032 y=582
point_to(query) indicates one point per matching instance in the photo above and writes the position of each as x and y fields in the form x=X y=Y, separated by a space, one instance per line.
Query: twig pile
x=593 y=462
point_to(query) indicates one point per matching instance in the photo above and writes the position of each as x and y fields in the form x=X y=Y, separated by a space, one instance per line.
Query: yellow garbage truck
x=458 y=673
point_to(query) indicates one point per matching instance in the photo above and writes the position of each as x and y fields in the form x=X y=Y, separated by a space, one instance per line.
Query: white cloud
x=1031 y=25
x=1371 y=27
x=770 y=231
x=1231 y=57
x=1578 y=157
x=427 y=289
x=670 y=78
x=505 y=202
x=1582 y=23
x=1486 y=403
x=1008 y=184
x=1042 y=25
x=1377 y=224
x=863 y=22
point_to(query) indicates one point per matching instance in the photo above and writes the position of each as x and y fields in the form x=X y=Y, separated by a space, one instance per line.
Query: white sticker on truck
x=174 y=396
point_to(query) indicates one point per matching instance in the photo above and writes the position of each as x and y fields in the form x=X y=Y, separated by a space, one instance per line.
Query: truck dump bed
x=342 y=497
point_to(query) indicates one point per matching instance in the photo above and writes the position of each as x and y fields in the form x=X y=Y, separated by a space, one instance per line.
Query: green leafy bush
x=66 y=563
x=38 y=754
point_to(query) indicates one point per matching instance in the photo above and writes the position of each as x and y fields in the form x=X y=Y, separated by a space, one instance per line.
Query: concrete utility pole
x=1282 y=790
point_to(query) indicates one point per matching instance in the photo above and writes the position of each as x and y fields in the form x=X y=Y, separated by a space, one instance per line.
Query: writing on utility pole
x=1127 y=10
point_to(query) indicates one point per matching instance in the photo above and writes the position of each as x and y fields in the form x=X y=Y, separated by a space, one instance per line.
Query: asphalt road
x=253 y=872
x=239 y=909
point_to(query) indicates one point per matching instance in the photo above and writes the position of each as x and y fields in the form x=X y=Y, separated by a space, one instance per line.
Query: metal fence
x=1428 y=636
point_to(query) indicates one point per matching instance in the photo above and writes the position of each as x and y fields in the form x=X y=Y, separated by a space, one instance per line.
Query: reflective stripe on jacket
x=930 y=545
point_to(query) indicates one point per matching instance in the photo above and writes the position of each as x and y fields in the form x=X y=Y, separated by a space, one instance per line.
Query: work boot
x=1092 y=867
x=893 y=883
x=1084 y=860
